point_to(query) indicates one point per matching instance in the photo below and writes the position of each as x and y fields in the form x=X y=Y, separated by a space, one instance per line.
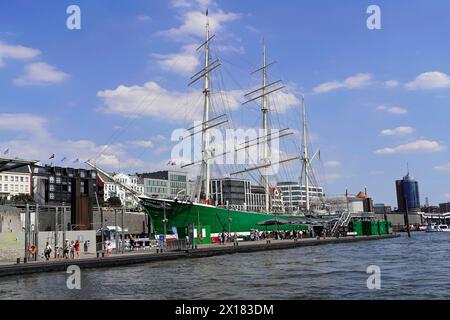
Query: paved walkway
x=149 y=251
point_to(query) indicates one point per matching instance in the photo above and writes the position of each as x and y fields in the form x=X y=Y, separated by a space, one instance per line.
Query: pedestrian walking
x=77 y=249
x=47 y=251
x=72 y=250
x=66 y=249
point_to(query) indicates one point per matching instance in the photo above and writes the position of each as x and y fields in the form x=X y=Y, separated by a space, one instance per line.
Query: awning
x=11 y=164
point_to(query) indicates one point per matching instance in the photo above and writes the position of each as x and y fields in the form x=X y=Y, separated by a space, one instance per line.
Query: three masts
x=204 y=193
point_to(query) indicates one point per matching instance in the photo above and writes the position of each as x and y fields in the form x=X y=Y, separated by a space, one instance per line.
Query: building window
x=51 y=196
x=52 y=179
x=58 y=180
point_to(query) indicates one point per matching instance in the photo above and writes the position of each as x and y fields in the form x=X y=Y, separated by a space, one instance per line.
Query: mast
x=205 y=133
x=305 y=159
x=265 y=128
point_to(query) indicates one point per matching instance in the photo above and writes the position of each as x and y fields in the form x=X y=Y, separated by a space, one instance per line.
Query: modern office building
x=294 y=195
x=241 y=195
x=72 y=187
x=444 y=207
x=407 y=194
x=167 y=184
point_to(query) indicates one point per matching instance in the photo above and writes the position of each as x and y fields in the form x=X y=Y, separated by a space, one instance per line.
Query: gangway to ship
x=346 y=217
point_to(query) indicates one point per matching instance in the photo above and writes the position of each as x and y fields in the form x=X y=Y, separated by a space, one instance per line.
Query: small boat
x=433 y=227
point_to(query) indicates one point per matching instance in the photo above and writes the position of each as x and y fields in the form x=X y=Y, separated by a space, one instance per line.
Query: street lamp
x=165 y=223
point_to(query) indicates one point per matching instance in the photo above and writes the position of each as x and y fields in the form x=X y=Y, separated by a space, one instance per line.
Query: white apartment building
x=113 y=188
x=15 y=182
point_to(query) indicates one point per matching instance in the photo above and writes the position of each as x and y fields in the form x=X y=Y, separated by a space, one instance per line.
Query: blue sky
x=376 y=99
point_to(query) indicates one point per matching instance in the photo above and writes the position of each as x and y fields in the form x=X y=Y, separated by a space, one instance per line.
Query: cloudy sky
x=114 y=91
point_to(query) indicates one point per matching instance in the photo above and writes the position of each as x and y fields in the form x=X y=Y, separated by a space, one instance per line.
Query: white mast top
x=305 y=159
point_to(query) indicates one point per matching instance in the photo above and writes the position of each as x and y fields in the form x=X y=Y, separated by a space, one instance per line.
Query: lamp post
x=165 y=223
x=407 y=217
x=229 y=222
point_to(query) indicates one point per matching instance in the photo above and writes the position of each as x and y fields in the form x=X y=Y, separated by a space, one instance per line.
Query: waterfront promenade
x=147 y=256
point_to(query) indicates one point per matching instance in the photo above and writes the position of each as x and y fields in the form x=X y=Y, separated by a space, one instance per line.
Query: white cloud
x=356 y=81
x=444 y=167
x=40 y=73
x=430 y=80
x=193 y=24
x=33 y=140
x=154 y=101
x=143 y=143
x=184 y=62
x=415 y=146
x=399 y=131
x=376 y=173
x=332 y=164
x=393 y=110
x=392 y=83
x=16 y=52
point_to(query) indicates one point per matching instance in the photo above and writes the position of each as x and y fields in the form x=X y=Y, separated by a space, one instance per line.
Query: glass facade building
x=408 y=194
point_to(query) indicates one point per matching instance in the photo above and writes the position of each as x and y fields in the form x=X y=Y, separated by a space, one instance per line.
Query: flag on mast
x=6 y=151
x=63 y=159
x=76 y=160
x=52 y=157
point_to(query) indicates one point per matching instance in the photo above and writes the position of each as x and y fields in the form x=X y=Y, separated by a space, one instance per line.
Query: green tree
x=114 y=202
x=22 y=198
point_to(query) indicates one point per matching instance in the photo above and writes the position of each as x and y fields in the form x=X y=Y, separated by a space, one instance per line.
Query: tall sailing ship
x=200 y=210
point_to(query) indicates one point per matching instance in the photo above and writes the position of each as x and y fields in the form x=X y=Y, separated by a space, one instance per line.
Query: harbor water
x=413 y=268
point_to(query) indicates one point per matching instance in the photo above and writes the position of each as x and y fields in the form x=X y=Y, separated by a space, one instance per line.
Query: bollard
x=98 y=254
x=18 y=260
x=103 y=254
x=157 y=250
x=25 y=260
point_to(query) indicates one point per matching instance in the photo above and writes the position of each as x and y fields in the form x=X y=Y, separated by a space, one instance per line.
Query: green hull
x=219 y=219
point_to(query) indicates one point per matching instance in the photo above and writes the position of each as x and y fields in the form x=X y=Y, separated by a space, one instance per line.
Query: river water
x=415 y=268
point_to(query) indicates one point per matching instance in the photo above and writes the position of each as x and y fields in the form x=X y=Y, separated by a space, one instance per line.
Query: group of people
x=70 y=250
x=282 y=235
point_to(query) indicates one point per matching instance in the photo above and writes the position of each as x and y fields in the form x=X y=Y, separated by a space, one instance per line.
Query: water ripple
x=410 y=269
